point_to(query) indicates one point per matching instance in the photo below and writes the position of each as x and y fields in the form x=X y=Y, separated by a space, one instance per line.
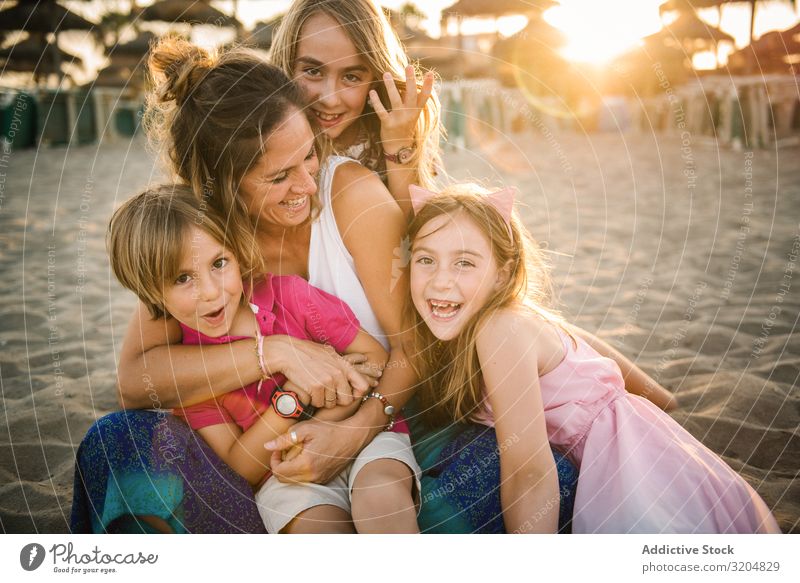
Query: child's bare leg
x=323 y=519
x=382 y=500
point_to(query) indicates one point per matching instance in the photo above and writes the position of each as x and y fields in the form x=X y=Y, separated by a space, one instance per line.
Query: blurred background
x=597 y=65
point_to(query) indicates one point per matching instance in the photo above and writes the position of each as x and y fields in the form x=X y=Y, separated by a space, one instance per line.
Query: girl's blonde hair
x=376 y=41
x=210 y=115
x=450 y=389
x=148 y=236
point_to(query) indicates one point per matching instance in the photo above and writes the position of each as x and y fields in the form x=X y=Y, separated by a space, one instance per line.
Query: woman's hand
x=326 y=377
x=327 y=448
x=398 y=125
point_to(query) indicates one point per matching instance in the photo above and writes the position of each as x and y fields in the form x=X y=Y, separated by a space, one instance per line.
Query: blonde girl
x=368 y=101
x=488 y=350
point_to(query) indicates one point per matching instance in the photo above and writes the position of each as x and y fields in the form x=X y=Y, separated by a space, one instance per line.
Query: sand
x=683 y=257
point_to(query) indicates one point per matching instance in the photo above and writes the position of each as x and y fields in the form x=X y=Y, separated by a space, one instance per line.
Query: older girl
x=367 y=100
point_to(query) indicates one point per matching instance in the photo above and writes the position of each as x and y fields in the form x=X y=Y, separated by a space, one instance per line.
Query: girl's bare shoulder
x=523 y=330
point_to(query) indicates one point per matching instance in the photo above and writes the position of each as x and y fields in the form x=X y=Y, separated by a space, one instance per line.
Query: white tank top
x=330 y=265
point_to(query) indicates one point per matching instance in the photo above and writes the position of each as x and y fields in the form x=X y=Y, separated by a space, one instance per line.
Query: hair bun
x=177 y=66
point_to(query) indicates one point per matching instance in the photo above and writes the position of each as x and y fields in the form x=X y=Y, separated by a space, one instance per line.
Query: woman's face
x=335 y=78
x=277 y=190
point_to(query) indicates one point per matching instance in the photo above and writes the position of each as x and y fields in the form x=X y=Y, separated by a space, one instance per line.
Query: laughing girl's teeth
x=295 y=203
x=445 y=310
x=327 y=116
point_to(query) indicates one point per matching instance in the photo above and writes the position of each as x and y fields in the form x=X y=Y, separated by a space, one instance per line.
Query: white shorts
x=278 y=503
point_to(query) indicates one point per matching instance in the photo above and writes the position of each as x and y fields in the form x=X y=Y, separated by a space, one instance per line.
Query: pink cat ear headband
x=502 y=200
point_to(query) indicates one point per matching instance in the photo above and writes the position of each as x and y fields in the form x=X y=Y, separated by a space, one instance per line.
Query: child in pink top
x=181 y=261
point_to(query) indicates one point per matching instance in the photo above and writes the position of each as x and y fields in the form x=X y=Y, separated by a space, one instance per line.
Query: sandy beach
x=684 y=257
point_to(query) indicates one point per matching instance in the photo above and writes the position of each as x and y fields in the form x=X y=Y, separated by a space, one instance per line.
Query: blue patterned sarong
x=144 y=463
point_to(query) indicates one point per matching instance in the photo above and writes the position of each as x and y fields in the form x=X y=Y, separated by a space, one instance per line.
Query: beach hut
x=692 y=5
x=39 y=18
x=191 y=12
x=689 y=33
x=531 y=56
x=775 y=52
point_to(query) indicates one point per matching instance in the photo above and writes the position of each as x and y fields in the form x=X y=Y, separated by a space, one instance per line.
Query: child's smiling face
x=334 y=76
x=453 y=273
x=206 y=294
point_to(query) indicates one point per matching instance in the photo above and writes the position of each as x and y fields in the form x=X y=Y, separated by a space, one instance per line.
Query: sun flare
x=599 y=31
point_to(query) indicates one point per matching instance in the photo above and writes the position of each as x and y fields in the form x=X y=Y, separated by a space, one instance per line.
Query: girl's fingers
x=411 y=87
x=391 y=90
x=380 y=110
x=427 y=90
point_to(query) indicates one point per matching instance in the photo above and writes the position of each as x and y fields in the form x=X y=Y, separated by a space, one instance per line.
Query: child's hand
x=398 y=125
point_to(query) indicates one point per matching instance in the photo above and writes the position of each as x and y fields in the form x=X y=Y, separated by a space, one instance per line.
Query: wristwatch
x=388 y=408
x=403 y=155
x=288 y=406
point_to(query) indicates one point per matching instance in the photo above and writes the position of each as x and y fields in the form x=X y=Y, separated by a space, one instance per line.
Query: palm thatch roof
x=42 y=16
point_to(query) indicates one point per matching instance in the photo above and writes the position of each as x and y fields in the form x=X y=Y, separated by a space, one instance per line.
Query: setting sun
x=599 y=31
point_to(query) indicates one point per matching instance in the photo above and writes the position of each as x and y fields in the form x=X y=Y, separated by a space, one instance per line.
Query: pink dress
x=639 y=471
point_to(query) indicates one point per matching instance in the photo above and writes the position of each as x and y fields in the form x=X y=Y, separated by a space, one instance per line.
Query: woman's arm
x=528 y=479
x=398 y=131
x=637 y=381
x=360 y=202
x=156 y=371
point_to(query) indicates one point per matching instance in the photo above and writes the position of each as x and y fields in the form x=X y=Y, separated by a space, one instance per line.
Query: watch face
x=404 y=155
x=286 y=404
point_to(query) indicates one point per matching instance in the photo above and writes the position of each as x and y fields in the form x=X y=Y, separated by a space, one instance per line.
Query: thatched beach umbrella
x=188 y=12
x=689 y=33
x=692 y=5
x=41 y=16
x=37 y=56
x=492 y=9
x=775 y=52
x=496 y=8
